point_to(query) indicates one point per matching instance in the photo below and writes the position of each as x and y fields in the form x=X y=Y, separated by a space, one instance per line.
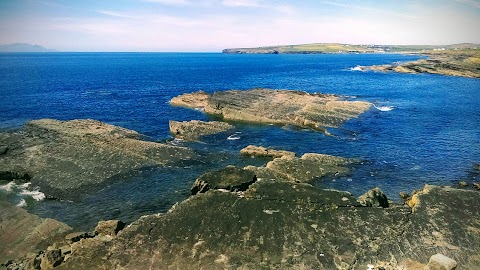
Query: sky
x=212 y=25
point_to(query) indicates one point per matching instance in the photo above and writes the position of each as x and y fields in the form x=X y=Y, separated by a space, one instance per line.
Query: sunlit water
x=423 y=128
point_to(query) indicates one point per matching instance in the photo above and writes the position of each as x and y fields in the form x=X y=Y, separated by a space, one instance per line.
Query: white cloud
x=116 y=14
x=170 y=2
x=472 y=3
x=241 y=3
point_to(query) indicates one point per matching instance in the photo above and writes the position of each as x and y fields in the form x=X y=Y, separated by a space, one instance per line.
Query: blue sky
x=211 y=25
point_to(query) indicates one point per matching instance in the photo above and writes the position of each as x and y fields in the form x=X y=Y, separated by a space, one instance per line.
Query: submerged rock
x=259 y=151
x=65 y=157
x=283 y=107
x=193 y=130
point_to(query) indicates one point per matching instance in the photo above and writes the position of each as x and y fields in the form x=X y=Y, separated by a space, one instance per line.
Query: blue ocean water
x=426 y=128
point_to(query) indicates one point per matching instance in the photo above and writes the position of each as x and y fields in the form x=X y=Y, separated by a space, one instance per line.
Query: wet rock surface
x=194 y=130
x=283 y=107
x=65 y=157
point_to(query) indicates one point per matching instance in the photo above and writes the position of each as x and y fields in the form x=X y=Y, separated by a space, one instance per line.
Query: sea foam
x=384 y=108
x=233 y=137
x=23 y=191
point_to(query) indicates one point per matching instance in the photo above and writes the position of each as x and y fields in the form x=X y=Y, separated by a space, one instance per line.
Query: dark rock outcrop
x=229 y=178
x=64 y=158
x=193 y=130
x=3 y=149
x=374 y=197
x=282 y=107
x=109 y=227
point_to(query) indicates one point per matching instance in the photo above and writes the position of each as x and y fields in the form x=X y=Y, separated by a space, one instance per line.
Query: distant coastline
x=333 y=48
x=24 y=47
x=451 y=60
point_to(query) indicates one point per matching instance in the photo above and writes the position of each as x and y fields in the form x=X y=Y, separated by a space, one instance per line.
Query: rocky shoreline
x=463 y=63
x=276 y=224
x=268 y=216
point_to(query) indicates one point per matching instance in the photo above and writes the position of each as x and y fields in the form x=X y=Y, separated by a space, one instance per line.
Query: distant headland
x=23 y=47
x=348 y=48
x=451 y=60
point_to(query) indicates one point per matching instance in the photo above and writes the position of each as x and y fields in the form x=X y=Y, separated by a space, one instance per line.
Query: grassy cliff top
x=350 y=48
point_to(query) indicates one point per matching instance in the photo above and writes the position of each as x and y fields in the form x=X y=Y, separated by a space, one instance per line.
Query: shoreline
x=268 y=215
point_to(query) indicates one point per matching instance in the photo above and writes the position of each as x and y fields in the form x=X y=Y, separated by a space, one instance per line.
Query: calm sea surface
x=427 y=129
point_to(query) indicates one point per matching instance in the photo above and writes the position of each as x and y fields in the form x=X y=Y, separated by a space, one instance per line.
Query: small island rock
x=259 y=151
x=282 y=107
x=193 y=130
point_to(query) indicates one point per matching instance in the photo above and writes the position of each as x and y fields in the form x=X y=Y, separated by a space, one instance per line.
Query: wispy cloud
x=472 y=3
x=170 y=2
x=370 y=9
x=116 y=14
x=242 y=3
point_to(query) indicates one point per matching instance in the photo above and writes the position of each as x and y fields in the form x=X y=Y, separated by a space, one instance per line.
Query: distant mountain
x=23 y=47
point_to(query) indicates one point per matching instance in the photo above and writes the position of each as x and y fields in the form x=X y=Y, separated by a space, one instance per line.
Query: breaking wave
x=384 y=108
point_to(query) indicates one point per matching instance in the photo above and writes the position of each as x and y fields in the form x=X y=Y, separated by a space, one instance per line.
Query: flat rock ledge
x=306 y=169
x=282 y=107
x=64 y=158
x=260 y=151
x=285 y=225
x=194 y=130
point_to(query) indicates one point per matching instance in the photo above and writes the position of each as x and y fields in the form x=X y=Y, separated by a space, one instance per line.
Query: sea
x=423 y=129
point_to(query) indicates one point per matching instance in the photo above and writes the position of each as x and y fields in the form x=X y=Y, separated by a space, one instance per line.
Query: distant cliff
x=346 y=48
x=23 y=47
